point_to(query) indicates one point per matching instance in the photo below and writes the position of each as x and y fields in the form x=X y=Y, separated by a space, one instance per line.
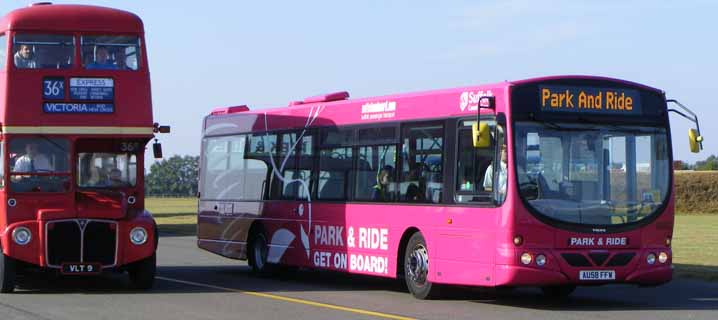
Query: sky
x=207 y=54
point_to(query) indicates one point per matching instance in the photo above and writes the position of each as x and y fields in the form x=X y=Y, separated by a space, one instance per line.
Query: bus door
x=480 y=187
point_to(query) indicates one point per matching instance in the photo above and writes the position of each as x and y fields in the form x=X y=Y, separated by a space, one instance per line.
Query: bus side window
x=422 y=163
x=474 y=167
x=335 y=173
x=375 y=173
x=3 y=51
x=297 y=159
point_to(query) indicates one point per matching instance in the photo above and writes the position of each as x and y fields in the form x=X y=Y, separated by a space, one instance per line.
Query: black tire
x=142 y=273
x=416 y=269
x=257 y=253
x=558 y=292
x=7 y=274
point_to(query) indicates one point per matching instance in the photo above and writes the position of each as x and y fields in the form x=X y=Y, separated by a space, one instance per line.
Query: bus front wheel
x=142 y=273
x=416 y=268
x=7 y=273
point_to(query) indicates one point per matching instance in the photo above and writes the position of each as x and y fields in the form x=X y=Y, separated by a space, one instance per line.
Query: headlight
x=540 y=260
x=662 y=257
x=526 y=258
x=651 y=258
x=138 y=235
x=21 y=235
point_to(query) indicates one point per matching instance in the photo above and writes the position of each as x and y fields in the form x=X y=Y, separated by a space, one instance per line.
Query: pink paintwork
x=467 y=245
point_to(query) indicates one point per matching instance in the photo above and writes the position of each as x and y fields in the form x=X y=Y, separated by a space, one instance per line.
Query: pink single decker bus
x=552 y=182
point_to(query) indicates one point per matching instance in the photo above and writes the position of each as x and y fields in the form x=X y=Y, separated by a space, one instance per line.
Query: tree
x=711 y=163
x=176 y=176
x=680 y=165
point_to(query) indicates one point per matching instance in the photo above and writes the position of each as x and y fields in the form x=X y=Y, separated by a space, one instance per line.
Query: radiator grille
x=81 y=240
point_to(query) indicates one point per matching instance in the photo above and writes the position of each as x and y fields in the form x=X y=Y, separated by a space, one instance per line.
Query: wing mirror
x=695 y=140
x=480 y=131
x=481 y=135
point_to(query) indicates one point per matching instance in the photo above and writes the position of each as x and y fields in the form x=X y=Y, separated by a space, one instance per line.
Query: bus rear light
x=518 y=240
x=21 y=236
x=526 y=258
x=540 y=260
x=651 y=258
x=668 y=241
x=662 y=257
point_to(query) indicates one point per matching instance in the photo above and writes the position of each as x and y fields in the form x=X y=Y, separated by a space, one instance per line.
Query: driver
x=116 y=178
x=32 y=160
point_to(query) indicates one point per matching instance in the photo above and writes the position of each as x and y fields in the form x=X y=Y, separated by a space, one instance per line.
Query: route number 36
x=129 y=146
x=53 y=89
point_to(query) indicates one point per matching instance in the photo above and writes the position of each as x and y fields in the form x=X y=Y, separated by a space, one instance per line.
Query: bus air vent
x=40 y=4
x=598 y=258
x=620 y=259
x=576 y=259
x=334 y=96
x=295 y=103
x=229 y=110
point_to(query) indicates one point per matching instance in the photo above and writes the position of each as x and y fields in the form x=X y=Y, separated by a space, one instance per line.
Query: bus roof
x=336 y=109
x=65 y=17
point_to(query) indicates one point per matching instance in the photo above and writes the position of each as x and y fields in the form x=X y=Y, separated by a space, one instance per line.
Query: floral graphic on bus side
x=281 y=238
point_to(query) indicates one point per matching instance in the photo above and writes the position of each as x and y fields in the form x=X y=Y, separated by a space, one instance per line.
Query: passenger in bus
x=121 y=59
x=116 y=178
x=102 y=59
x=489 y=175
x=32 y=160
x=381 y=190
x=24 y=58
x=416 y=191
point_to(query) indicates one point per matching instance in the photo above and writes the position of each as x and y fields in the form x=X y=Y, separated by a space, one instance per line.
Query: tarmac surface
x=194 y=284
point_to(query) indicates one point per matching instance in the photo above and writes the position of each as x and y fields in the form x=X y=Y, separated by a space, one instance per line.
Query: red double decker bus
x=76 y=114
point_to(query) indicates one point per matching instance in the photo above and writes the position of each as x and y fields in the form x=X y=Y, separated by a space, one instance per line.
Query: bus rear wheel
x=258 y=251
x=7 y=274
x=558 y=292
x=142 y=273
x=416 y=268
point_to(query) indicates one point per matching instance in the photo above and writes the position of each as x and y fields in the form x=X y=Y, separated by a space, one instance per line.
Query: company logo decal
x=469 y=100
x=378 y=110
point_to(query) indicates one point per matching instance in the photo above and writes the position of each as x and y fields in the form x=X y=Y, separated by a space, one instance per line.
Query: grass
x=695 y=246
x=695 y=237
x=175 y=216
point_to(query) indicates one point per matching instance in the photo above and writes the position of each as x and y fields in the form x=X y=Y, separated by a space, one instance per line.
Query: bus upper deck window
x=111 y=52
x=33 y=51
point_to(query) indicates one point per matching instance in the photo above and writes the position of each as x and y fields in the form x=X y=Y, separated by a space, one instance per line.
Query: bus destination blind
x=62 y=107
x=589 y=100
x=94 y=89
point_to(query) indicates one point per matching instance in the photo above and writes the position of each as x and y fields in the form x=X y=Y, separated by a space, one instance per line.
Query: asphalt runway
x=194 y=284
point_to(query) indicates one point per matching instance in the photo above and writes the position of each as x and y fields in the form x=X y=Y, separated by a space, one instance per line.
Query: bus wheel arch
x=401 y=250
x=7 y=273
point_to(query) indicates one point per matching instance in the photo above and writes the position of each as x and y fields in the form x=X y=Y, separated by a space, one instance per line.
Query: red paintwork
x=21 y=106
